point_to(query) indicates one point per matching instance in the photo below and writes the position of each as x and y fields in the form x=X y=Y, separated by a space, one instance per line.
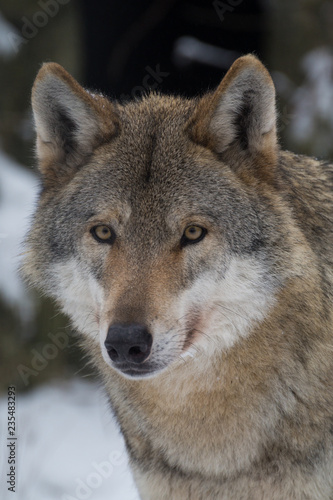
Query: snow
x=188 y=50
x=8 y=33
x=313 y=102
x=18 y=192
x=68 y=446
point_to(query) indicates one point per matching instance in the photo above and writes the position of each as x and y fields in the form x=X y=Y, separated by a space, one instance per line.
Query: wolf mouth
x=136 y=371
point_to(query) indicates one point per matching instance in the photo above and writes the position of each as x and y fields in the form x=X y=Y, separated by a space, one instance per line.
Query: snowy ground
x=18 y=191
x=68 y=446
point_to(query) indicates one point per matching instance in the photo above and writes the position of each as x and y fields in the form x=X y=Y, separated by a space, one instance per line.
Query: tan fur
x=238 y=403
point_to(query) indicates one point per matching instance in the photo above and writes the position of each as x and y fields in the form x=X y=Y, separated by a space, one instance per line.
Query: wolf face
x=193 y=254
x=151 y=231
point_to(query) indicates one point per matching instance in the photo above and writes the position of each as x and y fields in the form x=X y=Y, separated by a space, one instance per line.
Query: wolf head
x=152 y=229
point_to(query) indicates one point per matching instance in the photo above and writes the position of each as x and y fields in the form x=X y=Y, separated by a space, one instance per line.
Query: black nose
x=128 y=343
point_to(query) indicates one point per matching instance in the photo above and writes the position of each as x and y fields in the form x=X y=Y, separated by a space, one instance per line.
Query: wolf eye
x=103 y=234
x=193 y=234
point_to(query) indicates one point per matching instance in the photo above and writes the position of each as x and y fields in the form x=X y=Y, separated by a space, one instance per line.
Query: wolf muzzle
x=128 y=344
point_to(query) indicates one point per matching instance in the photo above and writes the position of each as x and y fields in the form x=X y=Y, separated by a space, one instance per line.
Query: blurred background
x=124 y=48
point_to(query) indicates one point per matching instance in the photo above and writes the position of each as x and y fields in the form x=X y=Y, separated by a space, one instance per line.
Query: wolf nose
x=128 y=343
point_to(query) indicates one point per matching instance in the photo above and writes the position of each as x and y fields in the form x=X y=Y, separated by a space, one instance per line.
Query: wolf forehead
x=150 y=165
x=154 y=164
x=152 y=176
x=151 y=151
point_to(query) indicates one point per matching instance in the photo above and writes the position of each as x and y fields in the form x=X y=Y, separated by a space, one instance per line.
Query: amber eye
x=193 y=234
x=103 y=234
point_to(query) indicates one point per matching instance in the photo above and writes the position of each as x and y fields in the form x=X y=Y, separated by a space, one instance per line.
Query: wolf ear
x=70 y=122
x=239 y=118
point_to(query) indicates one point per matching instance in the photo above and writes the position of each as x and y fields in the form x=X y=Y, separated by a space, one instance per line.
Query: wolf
x=194 y=257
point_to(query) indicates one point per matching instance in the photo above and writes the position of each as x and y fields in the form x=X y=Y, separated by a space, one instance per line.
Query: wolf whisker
x=218 y=304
